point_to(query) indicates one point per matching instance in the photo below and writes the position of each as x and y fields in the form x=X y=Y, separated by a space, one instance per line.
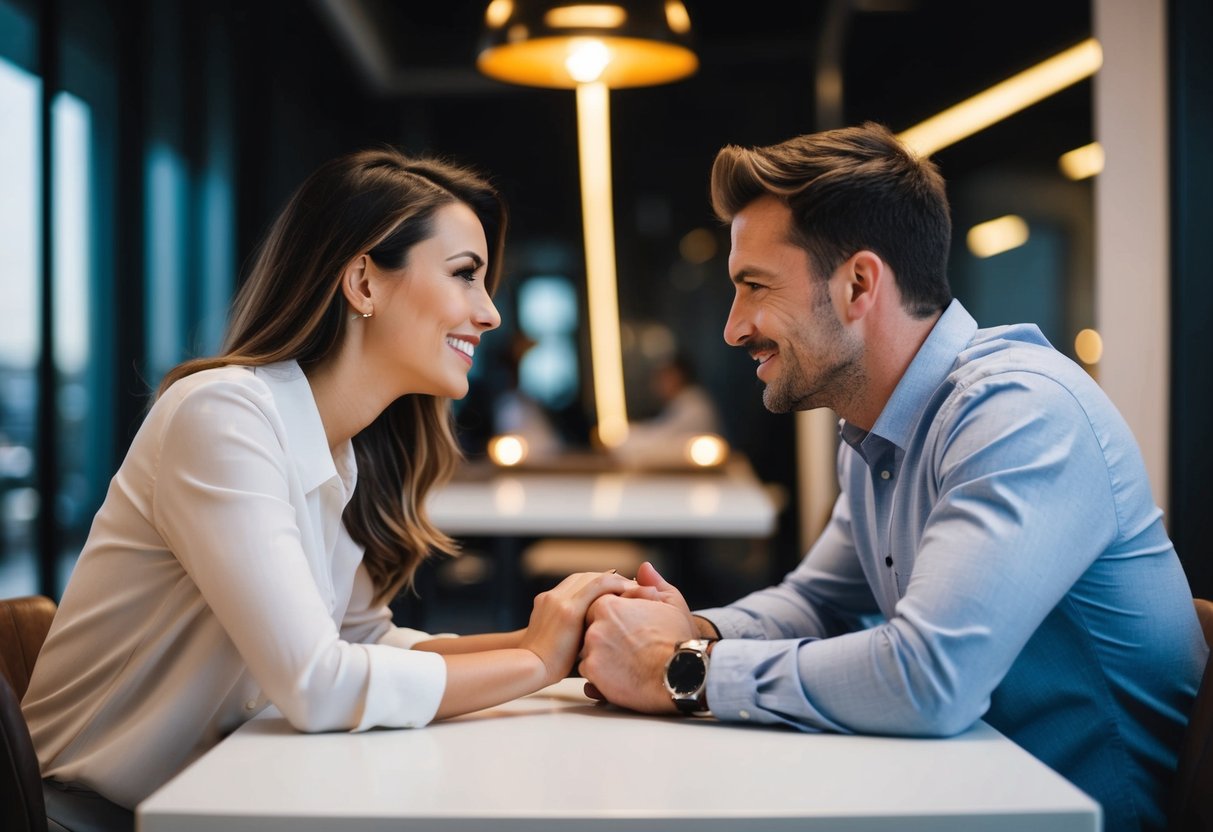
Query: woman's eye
x=468 y=274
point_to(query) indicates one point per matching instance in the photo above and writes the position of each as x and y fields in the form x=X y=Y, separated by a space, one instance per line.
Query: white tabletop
x=726 y=503
x=555 y=761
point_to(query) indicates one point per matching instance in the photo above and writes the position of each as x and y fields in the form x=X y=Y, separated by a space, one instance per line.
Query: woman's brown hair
x=378 y=202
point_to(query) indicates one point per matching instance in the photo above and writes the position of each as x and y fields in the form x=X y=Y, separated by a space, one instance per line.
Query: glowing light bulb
x=507 y=450
x=1088 y=346
x=997 y=236
x=707 y=450
x=587 y=59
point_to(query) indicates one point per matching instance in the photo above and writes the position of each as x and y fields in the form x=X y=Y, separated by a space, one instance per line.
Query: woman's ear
x=356 y=285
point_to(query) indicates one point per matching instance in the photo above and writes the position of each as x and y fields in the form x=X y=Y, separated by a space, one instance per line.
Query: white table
x=730 y=502
x=555 y=761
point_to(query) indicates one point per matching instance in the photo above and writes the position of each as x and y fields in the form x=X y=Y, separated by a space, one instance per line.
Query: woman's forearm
x=481 y=680
x=471 y=644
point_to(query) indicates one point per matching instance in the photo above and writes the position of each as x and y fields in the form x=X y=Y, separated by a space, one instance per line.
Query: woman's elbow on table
x=327 y=696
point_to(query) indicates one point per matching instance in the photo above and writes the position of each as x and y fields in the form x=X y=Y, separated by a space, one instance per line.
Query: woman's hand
x=558 y=619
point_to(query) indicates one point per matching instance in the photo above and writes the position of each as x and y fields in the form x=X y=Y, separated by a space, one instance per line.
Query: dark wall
x=1191 y=76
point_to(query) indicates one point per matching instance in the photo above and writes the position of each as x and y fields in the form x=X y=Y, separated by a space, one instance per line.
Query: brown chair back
x=1192 y=810
x=24 y=623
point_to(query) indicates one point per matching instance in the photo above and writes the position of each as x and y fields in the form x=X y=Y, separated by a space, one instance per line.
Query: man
x=994 y=508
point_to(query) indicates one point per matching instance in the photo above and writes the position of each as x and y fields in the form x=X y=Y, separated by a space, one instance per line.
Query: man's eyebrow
x=476 y=258
x=746 y=272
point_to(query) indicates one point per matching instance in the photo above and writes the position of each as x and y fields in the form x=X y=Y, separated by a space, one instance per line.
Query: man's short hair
x=851 y=189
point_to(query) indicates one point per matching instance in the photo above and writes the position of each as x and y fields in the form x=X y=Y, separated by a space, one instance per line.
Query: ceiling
x=901 y=60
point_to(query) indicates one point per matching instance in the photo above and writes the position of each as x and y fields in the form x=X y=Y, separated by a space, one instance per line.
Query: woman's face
x=429 y=315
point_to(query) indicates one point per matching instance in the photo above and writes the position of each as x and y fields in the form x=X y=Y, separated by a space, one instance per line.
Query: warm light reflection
x=697 y=246
x=997 y=236
x=704 y=499
x=1005 y=98
x=606 y=356
x=1088 y=346
x=588 y=57
x=676 y=17
x=586 y=16
x=498 y=13
x=606 y=496
x=509 y=497
x=706 y=450
x=507 y=450
x=1083 y=162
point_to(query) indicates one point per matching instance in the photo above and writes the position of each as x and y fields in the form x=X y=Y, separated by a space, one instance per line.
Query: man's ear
x=356 y=284
x=864 y=277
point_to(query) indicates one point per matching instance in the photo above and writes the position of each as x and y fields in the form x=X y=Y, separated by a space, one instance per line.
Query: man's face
x=786 y=317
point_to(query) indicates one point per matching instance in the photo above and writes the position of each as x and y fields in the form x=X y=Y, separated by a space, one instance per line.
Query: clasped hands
x=631 y=628
x=628 y=640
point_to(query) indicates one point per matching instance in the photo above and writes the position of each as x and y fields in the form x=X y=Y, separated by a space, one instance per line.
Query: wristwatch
x=686 y=676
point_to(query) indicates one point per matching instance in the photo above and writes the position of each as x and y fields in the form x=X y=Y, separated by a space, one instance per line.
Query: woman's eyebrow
x=476 y=258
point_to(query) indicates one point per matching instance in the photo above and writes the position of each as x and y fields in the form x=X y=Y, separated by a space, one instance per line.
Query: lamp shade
x=562 y=44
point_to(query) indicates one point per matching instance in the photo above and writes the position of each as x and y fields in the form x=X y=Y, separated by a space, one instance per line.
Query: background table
x=508 y=509
x=727 y=502
x=555 y=761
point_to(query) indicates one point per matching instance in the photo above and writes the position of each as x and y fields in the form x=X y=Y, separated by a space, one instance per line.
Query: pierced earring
x=358 y=315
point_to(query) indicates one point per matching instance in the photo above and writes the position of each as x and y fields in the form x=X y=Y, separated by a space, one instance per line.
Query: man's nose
x=737 y=328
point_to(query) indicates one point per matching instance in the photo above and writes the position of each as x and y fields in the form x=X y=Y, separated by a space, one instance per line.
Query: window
x=20 y=267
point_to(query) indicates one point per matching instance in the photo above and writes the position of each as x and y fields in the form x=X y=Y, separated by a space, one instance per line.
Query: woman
x=234 y=564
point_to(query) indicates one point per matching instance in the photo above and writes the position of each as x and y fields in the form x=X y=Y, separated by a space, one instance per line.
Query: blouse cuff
x=404 y=689
x=406 y=638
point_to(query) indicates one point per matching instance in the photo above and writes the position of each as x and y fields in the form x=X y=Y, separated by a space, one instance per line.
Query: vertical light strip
x=606 y=356
x=1005 y=98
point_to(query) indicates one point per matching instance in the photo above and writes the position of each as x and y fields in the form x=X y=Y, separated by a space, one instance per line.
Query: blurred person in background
x=686 y=411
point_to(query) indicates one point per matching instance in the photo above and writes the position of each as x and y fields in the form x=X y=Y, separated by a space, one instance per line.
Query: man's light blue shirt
x=999 y=518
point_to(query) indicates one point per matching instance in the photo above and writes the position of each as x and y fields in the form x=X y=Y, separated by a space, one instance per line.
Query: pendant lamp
x=590 y=48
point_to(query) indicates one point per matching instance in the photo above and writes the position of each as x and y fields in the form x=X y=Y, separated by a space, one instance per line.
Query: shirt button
x=250 y=705
x=884 y=475
x=888 y=561
x=744 y=714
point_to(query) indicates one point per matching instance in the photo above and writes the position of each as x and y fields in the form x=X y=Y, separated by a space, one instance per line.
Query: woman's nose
x=487 y=316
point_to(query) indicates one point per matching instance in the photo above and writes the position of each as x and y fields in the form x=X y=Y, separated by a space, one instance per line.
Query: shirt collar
x=308 y=444
x=926 y=373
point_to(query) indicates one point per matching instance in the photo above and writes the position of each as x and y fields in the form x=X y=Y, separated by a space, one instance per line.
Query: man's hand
x=627 y=644
x=651 y=586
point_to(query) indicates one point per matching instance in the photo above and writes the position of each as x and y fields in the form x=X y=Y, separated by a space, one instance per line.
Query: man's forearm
x=706 y=628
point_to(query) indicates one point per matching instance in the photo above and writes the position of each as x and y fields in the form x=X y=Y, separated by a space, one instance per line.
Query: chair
x=1192 y=809
x=24 y=623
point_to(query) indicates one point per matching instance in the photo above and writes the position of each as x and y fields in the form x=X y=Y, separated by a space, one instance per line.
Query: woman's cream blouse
x=218 y=578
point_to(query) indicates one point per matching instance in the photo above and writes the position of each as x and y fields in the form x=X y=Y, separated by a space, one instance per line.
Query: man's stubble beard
x=838 y=382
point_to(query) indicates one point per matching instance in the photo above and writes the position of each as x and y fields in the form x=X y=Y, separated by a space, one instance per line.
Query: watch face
x=685 y=673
